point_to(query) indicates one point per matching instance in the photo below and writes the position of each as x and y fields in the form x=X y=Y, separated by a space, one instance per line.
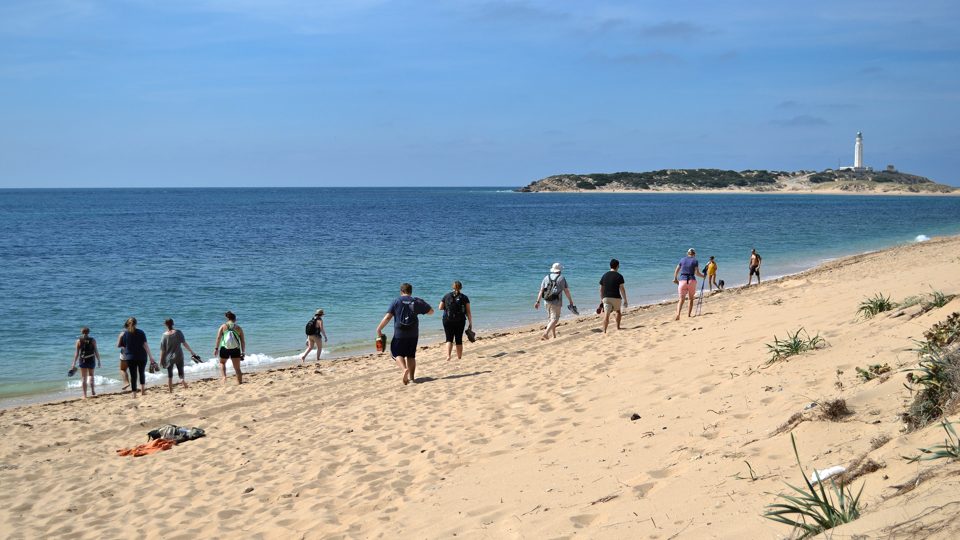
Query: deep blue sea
x=94 y=257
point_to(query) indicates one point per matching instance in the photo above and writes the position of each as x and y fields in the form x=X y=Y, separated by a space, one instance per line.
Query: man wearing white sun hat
x=552 y=289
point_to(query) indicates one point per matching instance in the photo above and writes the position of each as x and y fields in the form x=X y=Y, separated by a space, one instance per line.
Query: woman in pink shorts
x=685 y=276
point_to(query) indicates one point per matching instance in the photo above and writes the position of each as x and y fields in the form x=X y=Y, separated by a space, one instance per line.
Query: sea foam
x=921 y=238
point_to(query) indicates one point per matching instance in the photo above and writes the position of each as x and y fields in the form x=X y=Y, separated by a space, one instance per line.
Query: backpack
x=230 y=339
x=407 y=315
x=552 y=291
x=86 y=348
x=311 y=328
x=455 y=310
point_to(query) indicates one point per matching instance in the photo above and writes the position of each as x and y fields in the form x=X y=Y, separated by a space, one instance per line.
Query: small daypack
x=407 y=315
x=86 y=348
x=230 y=339
x=455 y=309
x=552 y=291
x=311 y=328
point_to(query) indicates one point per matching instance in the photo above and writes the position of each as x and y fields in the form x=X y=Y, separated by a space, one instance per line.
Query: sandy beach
x=522 y=438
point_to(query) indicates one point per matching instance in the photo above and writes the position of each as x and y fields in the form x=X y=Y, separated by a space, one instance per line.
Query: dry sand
x=521 y=439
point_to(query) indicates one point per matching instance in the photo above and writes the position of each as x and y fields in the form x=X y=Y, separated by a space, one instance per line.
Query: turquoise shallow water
x=95 y=257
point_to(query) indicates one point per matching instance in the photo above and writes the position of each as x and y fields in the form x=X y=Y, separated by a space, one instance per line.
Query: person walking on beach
x=612 y=294
x=755 y=261
x=136 y=351
x=552 y=289
x=89 y=356
x=711 y=271
x=456 y=314
x=685 y=276
x=171 y=353
x=230 y=345
x=316 y=335
x=406 y=330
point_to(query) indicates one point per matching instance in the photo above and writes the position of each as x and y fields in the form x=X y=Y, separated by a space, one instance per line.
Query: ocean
x=93 y=257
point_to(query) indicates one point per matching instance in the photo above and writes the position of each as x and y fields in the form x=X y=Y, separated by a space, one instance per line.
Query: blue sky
x=368 y=92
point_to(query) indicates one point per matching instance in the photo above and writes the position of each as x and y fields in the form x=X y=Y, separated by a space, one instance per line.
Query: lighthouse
x=858 y=153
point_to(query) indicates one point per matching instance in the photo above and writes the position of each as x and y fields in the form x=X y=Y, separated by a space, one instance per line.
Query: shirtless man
x=755 y=261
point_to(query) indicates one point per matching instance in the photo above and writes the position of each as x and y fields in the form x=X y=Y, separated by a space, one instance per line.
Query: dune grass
x=870 y=307
x=950 y=449
x=936 y=380
x=794 y=344
x=814 y=509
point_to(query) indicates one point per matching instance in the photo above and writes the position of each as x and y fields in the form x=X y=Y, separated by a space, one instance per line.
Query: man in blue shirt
x=406 y=329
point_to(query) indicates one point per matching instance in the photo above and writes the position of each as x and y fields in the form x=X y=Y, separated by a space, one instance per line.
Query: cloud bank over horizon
x=129 y=93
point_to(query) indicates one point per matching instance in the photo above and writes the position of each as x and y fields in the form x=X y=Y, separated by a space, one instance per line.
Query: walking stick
x=700 y=300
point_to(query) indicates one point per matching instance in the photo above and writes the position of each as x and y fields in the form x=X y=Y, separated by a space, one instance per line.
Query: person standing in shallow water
x=406 y=330
x=230 y=345
x=136 y=350
x=685 y=276
x=316 y=337
x=755 y=261
x=171 y=353
x=456 y=313
x=89 y=357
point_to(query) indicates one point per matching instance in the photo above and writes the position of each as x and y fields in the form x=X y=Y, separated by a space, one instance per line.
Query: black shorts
x=454 y=330
x=88 y=363
x=755 y=271
x=405 y=346
x=229 y=353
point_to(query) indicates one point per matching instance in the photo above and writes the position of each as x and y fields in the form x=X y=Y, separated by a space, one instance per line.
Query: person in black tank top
x=89 y=358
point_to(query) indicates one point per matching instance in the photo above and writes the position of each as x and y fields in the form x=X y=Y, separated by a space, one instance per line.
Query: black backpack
x=86 y=348
x=552 y=291
x=311 y=328
x=407 y=315
x=455 y=310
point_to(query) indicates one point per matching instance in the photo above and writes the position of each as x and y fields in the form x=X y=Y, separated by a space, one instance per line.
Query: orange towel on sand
x=152 y=447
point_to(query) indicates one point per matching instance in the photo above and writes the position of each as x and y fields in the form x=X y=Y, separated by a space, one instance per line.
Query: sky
x=138 y=93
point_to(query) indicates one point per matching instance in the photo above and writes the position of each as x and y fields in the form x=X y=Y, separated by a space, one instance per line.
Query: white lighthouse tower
x=858 y=153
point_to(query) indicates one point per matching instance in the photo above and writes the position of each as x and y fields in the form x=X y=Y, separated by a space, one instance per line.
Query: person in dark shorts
x=89 y=356
x=136 y=351
x=613 y=295
x=406 y=330
x=755 y=261
x=171 y=353
x=230 y=345
x=685 y=276
x=456 y=316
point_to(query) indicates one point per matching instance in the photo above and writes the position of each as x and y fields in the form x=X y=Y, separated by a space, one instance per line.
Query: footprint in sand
x=583 y=520
x=659 y=473
x=641 y=490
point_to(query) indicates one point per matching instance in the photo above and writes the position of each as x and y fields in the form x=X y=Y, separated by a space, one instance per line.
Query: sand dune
x=522 y=438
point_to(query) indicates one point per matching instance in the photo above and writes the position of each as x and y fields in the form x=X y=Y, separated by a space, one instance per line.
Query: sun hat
x=556 y=268
x=318 y=313
x=691 y=251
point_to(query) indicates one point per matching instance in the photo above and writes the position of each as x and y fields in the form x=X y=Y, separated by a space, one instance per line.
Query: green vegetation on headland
x=750 y=180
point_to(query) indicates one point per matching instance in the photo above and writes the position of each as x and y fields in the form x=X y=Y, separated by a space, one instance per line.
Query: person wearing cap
x=552 y=289
x=685 y=276
x=315 y=339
